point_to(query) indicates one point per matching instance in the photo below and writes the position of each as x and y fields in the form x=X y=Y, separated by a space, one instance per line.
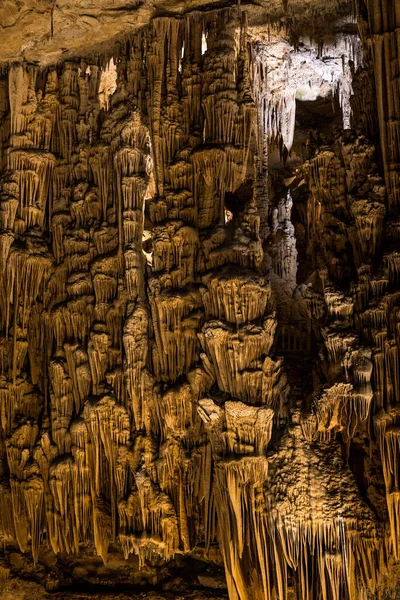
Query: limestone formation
x=199 y=292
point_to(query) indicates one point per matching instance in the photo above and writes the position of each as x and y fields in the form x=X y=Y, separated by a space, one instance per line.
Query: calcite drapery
x=144 y=401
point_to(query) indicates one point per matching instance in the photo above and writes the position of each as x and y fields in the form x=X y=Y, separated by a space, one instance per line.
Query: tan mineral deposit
x=200 y=299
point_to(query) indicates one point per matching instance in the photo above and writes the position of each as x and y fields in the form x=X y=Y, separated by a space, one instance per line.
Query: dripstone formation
x=200 y=308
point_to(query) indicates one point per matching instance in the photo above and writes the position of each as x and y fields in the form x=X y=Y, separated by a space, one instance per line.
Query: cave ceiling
x=49 y=31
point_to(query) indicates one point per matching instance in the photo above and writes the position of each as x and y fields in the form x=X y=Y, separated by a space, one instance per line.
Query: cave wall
x=199 y=352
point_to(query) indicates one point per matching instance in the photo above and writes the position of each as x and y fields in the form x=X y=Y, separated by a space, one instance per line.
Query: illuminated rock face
x=199 y=362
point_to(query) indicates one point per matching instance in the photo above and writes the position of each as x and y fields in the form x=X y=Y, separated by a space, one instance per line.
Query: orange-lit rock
x=199 y=300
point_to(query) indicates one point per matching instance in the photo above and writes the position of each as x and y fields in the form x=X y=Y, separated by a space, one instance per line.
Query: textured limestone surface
x=49 y=31
x=200 y=300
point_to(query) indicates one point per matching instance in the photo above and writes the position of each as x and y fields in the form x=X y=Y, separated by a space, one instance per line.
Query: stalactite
x=379 y=32
x=387 y=428
x=280 y=77
x=235 y=296
x=195 y=338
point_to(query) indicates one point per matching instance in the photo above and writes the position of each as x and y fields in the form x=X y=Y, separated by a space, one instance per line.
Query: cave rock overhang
x=285 y=74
